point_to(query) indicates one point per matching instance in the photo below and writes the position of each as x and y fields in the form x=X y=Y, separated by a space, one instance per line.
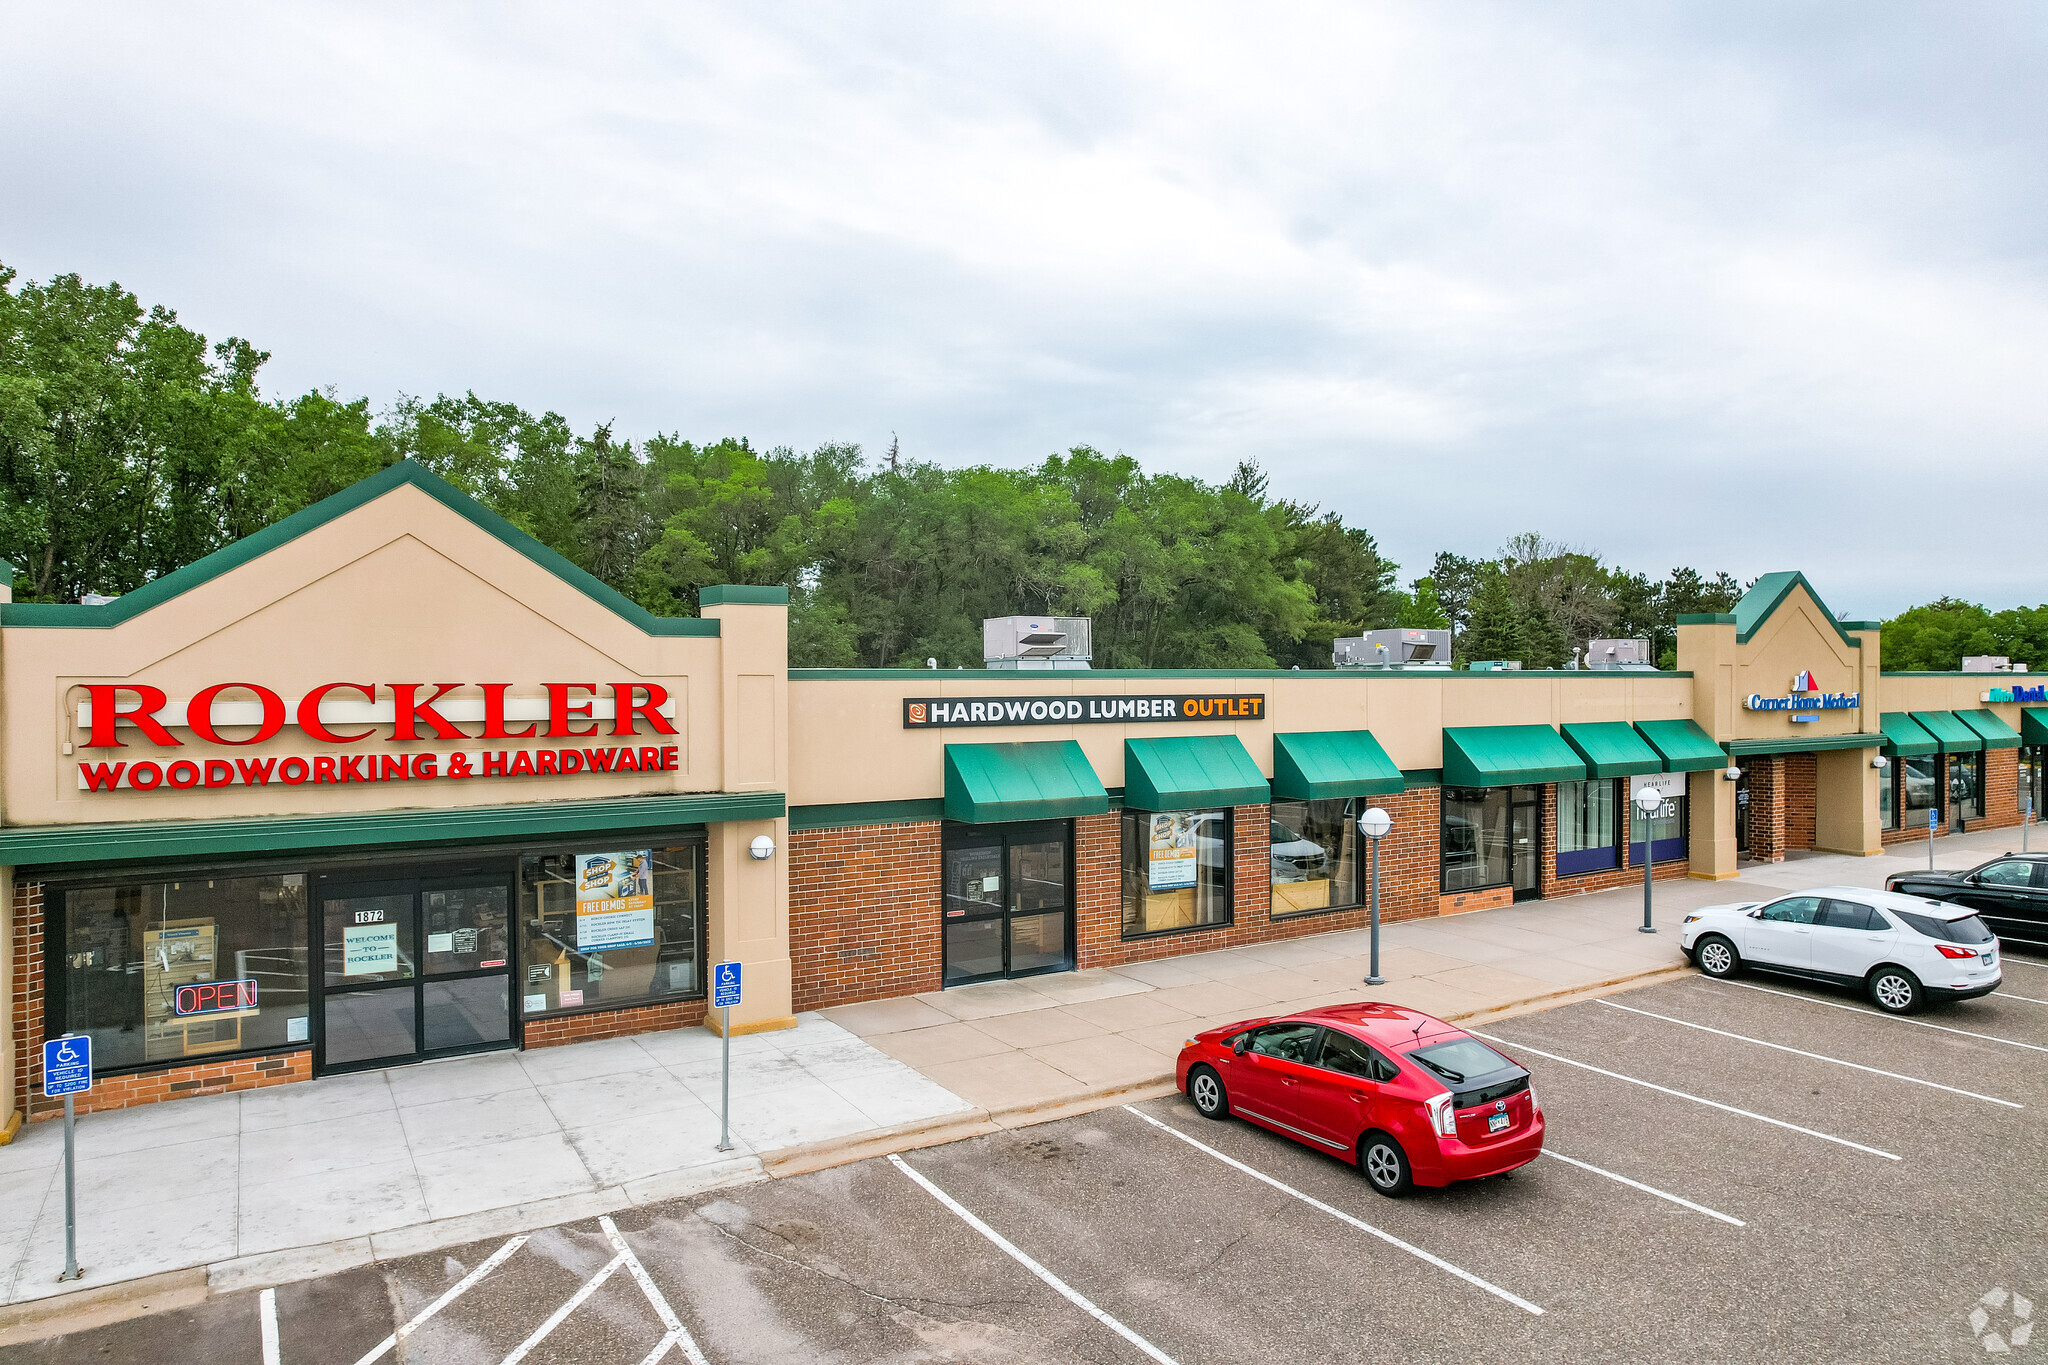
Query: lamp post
x=1648 y=802
x=1374 y=825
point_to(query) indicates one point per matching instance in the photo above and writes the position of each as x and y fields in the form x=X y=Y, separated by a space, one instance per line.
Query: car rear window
x=1968 y=929
x=1459 y=1060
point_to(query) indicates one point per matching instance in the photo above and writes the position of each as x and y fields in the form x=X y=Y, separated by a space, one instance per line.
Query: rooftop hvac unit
x=1401 y=648
x=1989 y=663
x=1496 y=665
x=1036 y=642
x=1632 y=656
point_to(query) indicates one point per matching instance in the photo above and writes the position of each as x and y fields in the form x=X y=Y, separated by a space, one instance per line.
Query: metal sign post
x=1933 y=821
x=67 y=1071
x=1374 y=825
x=725 y=993
x=2026 y=818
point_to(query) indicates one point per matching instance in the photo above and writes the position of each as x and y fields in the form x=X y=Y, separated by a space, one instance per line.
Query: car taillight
x=1533 y=1106
x=1442 y=1117
x=1950 y=950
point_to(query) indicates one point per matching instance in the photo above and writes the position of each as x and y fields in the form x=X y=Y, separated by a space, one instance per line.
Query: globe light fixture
x=1374 y=824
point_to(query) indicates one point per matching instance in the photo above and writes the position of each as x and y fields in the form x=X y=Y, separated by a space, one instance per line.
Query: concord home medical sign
x=1805 y=698
x=113 y=714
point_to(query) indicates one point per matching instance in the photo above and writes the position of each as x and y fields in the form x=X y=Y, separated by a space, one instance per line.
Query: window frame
x=1612 y=849
x=1506 y=797
x=1359 y=873
x=1128 y=868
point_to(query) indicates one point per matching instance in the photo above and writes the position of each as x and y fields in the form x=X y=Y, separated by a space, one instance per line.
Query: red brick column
x=1802 y=781
x=28 y=991
x=864 y=914
x=1766 y=809
x=2001 y=789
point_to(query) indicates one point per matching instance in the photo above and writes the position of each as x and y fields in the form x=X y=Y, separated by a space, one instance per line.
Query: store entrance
x=1525 y=836
x=1009 y=908
x=412 y=968
x=1742 y=808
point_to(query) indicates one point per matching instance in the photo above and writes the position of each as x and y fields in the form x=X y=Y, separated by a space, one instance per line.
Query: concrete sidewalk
x=285 y=1183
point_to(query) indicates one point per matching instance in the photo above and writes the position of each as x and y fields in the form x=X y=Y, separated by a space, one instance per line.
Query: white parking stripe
x=1389 y=1238
x=1837 y=1061
x=2008 y=995
x=1058 y=1285
x=1646 y=1189
x=1874 y=1014
x=1680 y=1094
x=678 y=1335
x=556 y=1318
x=266 y=1324
x=462 y=1286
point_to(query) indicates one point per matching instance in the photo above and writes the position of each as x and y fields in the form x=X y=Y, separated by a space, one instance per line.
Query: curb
x=82 y=1309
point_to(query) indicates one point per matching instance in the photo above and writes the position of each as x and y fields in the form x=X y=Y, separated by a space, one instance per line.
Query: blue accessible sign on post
x=67 y=1066
x=725 y=985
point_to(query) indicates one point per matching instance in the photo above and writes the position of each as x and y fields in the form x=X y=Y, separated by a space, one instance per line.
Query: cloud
x=1743 y=288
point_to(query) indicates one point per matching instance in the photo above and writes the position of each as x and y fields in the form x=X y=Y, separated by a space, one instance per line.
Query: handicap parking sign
x=67 y=1066
x=725 y=985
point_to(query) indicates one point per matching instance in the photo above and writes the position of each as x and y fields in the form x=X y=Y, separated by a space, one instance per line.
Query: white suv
x=1903 y=950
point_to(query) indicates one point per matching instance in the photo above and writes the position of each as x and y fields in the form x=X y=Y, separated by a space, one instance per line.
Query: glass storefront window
x=1966 y=785
x=1476 y=842
x=610 y=927
x=2033 y=781
x=1587 y=831
x=1667 y=834
x=1919 y=790
x=150 y=970
x=1887 y=808
x=1315 y=855
x=1176 y=870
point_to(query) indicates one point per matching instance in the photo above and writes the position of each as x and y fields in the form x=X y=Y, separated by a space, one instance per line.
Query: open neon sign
x=214 y=997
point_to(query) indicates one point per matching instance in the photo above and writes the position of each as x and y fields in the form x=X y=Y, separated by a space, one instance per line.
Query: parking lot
x=1736 y=1171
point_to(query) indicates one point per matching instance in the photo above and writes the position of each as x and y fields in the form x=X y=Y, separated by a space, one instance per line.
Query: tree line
x=130 y=446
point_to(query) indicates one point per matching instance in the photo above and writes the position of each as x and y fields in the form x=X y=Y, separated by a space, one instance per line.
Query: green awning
x=2034 y=725
x=990 y=783
x=1612 y=748
x=1686 y=748
x=1329 y=765
x=1952 y=735
x=1995 y=733
x=1503 y=755
x=1191 y=772
x=1903 y=737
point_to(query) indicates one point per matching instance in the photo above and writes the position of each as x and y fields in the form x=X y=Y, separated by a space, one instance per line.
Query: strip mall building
x=391 y=781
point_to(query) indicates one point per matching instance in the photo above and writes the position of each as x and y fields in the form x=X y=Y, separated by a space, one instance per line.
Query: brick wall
x=178 y=1083
x=576 y=1028
x=28 y=989
x=864 y=918
x=2001 y=798
x=1766 y=809
x=1606 y=879
x=1802 y=779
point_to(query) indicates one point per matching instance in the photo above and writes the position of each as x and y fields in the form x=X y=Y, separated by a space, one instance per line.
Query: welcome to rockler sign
x=927 y=713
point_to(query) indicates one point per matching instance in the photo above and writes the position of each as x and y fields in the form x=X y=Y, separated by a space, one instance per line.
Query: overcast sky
x=1750 y=287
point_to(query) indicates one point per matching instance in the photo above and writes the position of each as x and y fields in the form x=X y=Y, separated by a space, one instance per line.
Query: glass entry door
x=1007 y=901
x=412 y=969
x=1525 y=805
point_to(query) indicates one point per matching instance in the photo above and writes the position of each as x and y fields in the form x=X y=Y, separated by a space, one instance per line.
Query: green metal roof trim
x=1042 y=677
x=1995 y=733
x=2034 y=725
x=849 y=814
x=1706 y=618
x=152 y=840
x=158 y=591
x=1329 y=765
x=7 y=572
x=1612 y=748
x=1766 y=595
x=1804 y=746
x=1504 y=755
x=1862 y=625
x=1191 y=772
x=988 y=784
x=737 y=594
x=1684 y=746
x=1903 y=737
x=1952 y=735
x=1421 y=779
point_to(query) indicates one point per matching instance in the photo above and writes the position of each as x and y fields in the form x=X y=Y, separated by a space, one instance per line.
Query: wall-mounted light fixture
x=763 y=848
x=1731 y=773
x=1880 y=763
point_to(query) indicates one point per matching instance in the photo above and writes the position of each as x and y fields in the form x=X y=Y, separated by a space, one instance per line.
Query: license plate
x=1496 y=1122
x=1987 y=959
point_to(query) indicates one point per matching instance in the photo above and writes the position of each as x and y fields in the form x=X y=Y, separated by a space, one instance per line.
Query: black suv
x=2010 y=894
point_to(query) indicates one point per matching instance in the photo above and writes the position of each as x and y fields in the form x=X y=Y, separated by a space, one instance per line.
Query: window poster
x=614 y=900
x=369 y=949
x=1172 y=863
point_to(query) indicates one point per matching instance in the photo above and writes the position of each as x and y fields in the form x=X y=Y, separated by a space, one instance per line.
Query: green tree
x=1421 y=610
x=1456 y=580
x=1495 y=631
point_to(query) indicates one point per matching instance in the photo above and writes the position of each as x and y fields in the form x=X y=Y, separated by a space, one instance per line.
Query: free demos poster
x=614 y=900
x=1172 y=863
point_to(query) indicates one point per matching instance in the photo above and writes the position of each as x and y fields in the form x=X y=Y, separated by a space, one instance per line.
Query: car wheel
x=1205 y=1088
x=1716 y=956
x=1385 y=1165
x=1896 y=990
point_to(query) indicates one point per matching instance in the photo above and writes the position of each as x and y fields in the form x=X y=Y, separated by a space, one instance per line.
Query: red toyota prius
x=1411 y=1099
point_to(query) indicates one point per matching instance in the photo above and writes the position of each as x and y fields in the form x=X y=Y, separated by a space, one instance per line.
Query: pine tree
x=1495 y=628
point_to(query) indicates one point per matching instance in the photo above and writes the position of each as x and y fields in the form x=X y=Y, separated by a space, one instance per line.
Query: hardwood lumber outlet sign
x=928 y=713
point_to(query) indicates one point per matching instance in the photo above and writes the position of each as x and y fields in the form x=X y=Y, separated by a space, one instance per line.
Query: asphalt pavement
x=1736 y=1171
